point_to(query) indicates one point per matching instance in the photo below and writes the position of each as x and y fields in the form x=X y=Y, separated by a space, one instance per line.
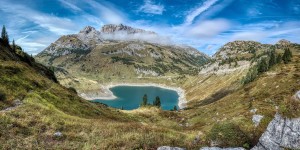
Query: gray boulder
x=57 y=134
x=170 y=148
x=281 y=133
x=297 y=96
x=256 y=119
x=217 y=148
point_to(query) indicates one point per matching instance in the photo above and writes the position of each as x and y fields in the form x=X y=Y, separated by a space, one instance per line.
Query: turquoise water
x=130 y=97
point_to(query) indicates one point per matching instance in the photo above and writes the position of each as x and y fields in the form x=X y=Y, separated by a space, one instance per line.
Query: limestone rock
x=217 y=148
x=297 y=95
x=281 y=133
x=256 y=119
x=170 y=148
x=58 y=134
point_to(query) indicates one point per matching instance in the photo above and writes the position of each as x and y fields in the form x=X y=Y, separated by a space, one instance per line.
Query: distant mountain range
x=121 y=47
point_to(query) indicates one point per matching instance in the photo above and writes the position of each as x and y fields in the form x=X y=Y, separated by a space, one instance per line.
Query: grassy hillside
x=222 y=100
x=218 y=109
x=48 y=107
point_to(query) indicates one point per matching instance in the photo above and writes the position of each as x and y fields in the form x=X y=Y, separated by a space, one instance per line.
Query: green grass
x=218 y=109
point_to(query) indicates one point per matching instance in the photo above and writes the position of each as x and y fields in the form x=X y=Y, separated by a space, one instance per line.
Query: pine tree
x=145 y=100
x=262 y=65
x=287 y=56
x=251 y=75
x=175 y=108
x=4 y=36
x=272 y=60
x=14 y=46
x=157 y=102
x=278 y=58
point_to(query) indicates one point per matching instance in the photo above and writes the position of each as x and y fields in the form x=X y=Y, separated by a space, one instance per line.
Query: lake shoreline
x=107 y=94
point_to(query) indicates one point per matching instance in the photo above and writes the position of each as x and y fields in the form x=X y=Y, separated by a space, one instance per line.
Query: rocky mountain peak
x=87 y=30
x=113 y=28
x=283 y=42
x=90 y=35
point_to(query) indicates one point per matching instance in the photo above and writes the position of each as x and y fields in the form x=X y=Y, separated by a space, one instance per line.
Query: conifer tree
x=14 y=46
x=262 y=65
x=278 y=58
x=175 y=108
x=287 y=55
x=145 y=100
x=272 y=60
x=4 y=36
x=157 y=102
x=251 y=75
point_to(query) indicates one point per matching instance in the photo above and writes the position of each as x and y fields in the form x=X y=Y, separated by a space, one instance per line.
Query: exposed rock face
x=89 y=35
x=64 y=45
x=170 y=148
x=107 y=52
x=283 y=42
x=256 y=119
x=235 y=48
x=58 y=134
x=281 y=133
x=112 y=28
x=297 y=96
x=217 y=148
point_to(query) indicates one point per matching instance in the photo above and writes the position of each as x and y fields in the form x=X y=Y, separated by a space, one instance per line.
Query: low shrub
x=290 y=108
x=228 y=134
x=72 y=90
x=2 y=96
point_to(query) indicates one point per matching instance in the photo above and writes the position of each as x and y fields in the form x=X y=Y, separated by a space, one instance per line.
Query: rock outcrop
x=170 y=148
x=217 y=148
x=113 y=28
x=281 y=133
x=256 y=119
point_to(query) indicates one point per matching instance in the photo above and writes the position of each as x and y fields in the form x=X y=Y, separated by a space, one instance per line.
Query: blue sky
x=203 y=24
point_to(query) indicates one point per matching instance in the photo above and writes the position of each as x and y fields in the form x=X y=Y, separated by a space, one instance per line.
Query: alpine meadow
x=150 y=74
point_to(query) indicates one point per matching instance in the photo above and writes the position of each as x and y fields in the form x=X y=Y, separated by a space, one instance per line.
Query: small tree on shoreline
x=157 y=102
x=145 y=100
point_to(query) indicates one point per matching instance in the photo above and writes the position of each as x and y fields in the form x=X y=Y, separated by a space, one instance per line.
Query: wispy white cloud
x=107 y=12
x=208 y=28
x=151 y=8
x=199 y=10
x=152 y=38
x=70 y=5
x=52 y=23
x=30 y=26
x=22 y=38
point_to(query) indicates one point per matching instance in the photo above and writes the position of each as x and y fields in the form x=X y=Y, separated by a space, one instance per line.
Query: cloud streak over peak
x=203 y=24
x=151 y=8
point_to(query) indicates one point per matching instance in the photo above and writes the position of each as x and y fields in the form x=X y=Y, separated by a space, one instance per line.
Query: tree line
x=156 y=102
x=266 y=62
x=4 y=40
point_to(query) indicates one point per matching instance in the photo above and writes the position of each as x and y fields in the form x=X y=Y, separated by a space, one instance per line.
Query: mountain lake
x=131 y=97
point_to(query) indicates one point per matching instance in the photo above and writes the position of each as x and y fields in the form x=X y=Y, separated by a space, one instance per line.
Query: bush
x=287 y=56
x=290 y=108
x=72 y=90
x=2 y=96
x=251 y=75
x=228 y=135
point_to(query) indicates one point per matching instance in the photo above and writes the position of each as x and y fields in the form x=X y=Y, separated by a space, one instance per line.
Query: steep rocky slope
x=281 y=133
x=92 y=57
x=90 y=52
